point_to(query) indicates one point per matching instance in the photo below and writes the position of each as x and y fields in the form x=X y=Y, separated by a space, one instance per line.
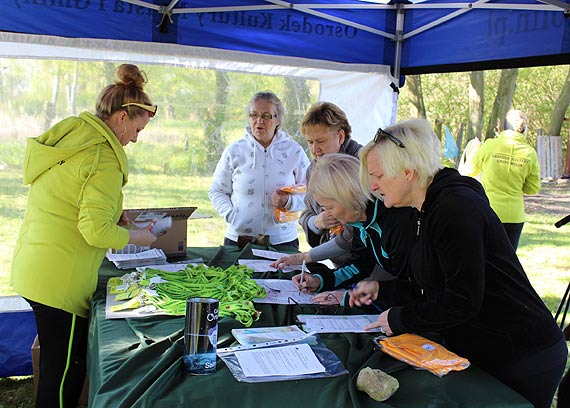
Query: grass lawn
x=544 y=250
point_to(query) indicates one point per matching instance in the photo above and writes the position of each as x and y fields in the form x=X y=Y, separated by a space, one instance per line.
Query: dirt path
x=554 y=198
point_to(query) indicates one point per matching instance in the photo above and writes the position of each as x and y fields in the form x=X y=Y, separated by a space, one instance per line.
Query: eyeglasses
x=382 y=134
x=151 y=109
x=264 y=116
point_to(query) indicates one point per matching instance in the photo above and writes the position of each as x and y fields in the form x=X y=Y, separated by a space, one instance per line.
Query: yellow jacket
x=509 y=167
x=76 y=170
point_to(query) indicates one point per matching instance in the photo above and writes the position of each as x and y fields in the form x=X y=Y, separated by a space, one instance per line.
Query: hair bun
x=130 y=75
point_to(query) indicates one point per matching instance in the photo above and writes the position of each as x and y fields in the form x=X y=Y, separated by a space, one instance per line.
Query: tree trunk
x=109 y=70
x=214 y=120
x=72 y=89
x=438 y=130
x=417 y=108
x=50 y=112
x=459 y=143
x=296 y=101
x=560 y=107
x=503 y=101
x=476 y=105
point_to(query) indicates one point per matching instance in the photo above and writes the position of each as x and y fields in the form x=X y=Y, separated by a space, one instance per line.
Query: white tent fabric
x=358 y=89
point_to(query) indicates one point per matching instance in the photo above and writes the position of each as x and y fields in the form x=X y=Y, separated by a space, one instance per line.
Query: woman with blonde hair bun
x=76 y=171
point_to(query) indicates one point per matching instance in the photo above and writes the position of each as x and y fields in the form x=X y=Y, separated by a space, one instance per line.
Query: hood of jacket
x=66 y=139
x=279 y=137
x=351 y=147
x=446 y=179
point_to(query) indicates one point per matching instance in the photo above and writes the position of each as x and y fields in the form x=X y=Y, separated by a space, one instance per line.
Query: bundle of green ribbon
x=233 y=287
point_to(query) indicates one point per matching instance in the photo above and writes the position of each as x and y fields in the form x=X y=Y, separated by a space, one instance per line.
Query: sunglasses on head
x=382 y=134
x=151 y=109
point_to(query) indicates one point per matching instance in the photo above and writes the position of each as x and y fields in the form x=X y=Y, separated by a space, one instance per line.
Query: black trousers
x=294 y=243
x=514 y=231
x=536 y=376
x=63 y=351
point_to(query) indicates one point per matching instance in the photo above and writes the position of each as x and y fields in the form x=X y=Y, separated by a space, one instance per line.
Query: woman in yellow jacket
x=76 y=171
x=509 y=167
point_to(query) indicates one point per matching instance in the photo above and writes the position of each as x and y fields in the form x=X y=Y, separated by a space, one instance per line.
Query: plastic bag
x=422 y=353
x=465 y=166
x=333 y=366
x=283 y=215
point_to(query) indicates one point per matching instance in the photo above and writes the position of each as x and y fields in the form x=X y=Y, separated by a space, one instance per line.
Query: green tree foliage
x=446 y=97
x=200 y=111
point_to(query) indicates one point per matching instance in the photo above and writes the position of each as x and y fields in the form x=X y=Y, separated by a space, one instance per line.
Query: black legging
x=61 y=363
x=294 y=243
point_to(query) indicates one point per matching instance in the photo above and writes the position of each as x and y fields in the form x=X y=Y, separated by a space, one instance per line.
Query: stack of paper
x=133 y=260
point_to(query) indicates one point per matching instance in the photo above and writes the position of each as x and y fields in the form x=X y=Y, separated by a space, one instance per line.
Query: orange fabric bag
x=422 y=353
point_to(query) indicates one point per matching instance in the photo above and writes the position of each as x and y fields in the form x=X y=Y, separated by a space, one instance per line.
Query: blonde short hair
x=516 y=120
x=326 y=114
x=335 y=177
x=422 y=152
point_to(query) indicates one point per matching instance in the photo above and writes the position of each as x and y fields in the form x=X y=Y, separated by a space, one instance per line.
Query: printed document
x=296 y=359
x=282 y=292
x=337 y=323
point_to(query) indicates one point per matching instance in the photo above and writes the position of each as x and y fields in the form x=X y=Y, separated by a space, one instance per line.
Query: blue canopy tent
x=356 y=49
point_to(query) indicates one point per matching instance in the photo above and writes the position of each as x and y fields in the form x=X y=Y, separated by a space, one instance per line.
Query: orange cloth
x=422 y=353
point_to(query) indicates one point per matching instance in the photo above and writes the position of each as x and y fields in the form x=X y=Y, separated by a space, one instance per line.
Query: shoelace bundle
x=233 y=287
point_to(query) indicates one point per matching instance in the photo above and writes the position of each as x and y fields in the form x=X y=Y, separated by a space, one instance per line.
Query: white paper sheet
x=268 y=254
x=261 y=265
x=261 y=335
x=337 y=323
x=297 y=359
x=282 y=292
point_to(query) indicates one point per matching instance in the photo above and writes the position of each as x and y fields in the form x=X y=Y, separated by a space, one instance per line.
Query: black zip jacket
x=475 y=292
x=382 y=241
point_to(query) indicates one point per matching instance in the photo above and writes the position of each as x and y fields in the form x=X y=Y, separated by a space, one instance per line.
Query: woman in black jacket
x=474 y=291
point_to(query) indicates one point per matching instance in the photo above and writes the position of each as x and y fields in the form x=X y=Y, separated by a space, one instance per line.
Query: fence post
x=549 y=150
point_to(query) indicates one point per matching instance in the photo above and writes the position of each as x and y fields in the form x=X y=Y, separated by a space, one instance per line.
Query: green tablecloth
x=137 y=363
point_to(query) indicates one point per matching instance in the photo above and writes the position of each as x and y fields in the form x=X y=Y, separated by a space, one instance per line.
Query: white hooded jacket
x=246 y=176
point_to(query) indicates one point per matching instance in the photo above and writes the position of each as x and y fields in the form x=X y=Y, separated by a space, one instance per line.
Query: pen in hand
x=378 y=308
x=302 y=276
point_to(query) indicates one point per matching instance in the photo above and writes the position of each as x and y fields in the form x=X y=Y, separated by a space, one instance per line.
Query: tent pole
x=399 y=38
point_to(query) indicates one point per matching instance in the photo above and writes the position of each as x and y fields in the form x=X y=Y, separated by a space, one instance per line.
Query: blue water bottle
x=200 y=335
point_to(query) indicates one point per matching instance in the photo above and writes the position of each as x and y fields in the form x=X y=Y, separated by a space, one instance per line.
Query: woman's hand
x=310 y=283
x=143 y=236
x=325 y=221
x=329 y=298
x=294 y=259
x=382 y=323
x=124 y=221
x=279 y=199
x=364 y=293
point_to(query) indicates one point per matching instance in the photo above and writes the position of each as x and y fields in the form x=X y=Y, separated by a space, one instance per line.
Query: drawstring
x=93 y=167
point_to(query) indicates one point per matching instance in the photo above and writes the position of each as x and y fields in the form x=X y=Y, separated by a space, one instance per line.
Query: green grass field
x=544 y=250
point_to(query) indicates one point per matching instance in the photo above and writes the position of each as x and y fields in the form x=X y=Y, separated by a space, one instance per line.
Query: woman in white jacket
x=247 y=181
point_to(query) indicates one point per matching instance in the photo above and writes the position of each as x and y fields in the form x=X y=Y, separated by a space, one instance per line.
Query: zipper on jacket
x=419 y=222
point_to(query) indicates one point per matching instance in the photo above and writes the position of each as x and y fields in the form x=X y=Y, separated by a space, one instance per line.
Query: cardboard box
x=83 y=399
x=173 y=242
